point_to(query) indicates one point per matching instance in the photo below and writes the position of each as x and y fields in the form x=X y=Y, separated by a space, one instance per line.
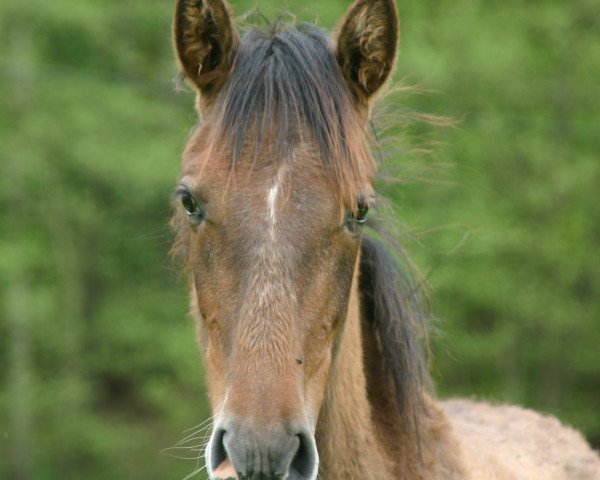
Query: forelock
x=285 y=85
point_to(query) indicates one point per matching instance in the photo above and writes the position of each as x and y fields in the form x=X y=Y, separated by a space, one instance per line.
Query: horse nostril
x=217 y=452
x=304 y=463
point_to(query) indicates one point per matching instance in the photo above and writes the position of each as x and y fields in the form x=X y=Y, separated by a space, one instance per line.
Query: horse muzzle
x=236 y=450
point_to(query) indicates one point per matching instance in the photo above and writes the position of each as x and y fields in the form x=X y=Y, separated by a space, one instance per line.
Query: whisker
x=180 y=457
x=194 y=473
x=196 y=431
x=192 y=438
x=200 y=445
x=183 y=445
x=200 y=425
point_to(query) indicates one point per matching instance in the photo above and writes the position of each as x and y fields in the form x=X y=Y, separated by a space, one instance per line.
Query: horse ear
x=367 y=41
x=206 y=41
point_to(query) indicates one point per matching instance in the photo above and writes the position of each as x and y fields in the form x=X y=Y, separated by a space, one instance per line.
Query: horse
x=309 y=329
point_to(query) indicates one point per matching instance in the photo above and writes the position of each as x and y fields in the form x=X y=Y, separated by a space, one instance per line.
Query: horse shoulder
x=507 y=442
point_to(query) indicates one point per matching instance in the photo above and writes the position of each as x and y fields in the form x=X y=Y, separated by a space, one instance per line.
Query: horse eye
x=193 y=210
x=361 y=213
x=188 y=203
x=356 y=219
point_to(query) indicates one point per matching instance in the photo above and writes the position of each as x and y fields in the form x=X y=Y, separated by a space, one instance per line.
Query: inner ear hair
x=367 y=42
x=206 y=41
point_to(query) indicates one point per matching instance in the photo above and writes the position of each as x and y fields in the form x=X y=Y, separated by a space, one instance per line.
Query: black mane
x=392 y=312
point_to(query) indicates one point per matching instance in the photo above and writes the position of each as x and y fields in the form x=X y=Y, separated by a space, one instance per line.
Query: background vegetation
x=100 y=369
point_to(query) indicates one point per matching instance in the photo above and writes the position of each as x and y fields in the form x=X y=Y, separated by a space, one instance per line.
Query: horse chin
x=225 y=471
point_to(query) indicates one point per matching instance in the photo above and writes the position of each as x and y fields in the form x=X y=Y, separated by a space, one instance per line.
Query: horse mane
x=391 y=310
x=285 y=84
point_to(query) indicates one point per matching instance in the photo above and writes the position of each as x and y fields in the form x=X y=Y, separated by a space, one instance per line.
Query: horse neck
x=360 y=432
x=349 y=443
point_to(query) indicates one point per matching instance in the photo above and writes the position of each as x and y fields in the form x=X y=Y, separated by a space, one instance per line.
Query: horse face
x=271 y=238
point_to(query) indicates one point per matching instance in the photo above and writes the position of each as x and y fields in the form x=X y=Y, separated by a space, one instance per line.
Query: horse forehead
x=262 y=188
x=292 y=188
x=270 y=187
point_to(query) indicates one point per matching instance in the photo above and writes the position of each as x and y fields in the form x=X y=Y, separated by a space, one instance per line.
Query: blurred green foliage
x=101 y=370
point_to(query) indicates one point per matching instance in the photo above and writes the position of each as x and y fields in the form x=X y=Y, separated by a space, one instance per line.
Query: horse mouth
x=225 y=471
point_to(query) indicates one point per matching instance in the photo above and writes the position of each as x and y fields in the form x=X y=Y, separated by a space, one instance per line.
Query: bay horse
x=308 y=330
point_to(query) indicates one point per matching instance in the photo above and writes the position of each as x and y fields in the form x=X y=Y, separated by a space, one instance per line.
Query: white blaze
x=272 y=199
